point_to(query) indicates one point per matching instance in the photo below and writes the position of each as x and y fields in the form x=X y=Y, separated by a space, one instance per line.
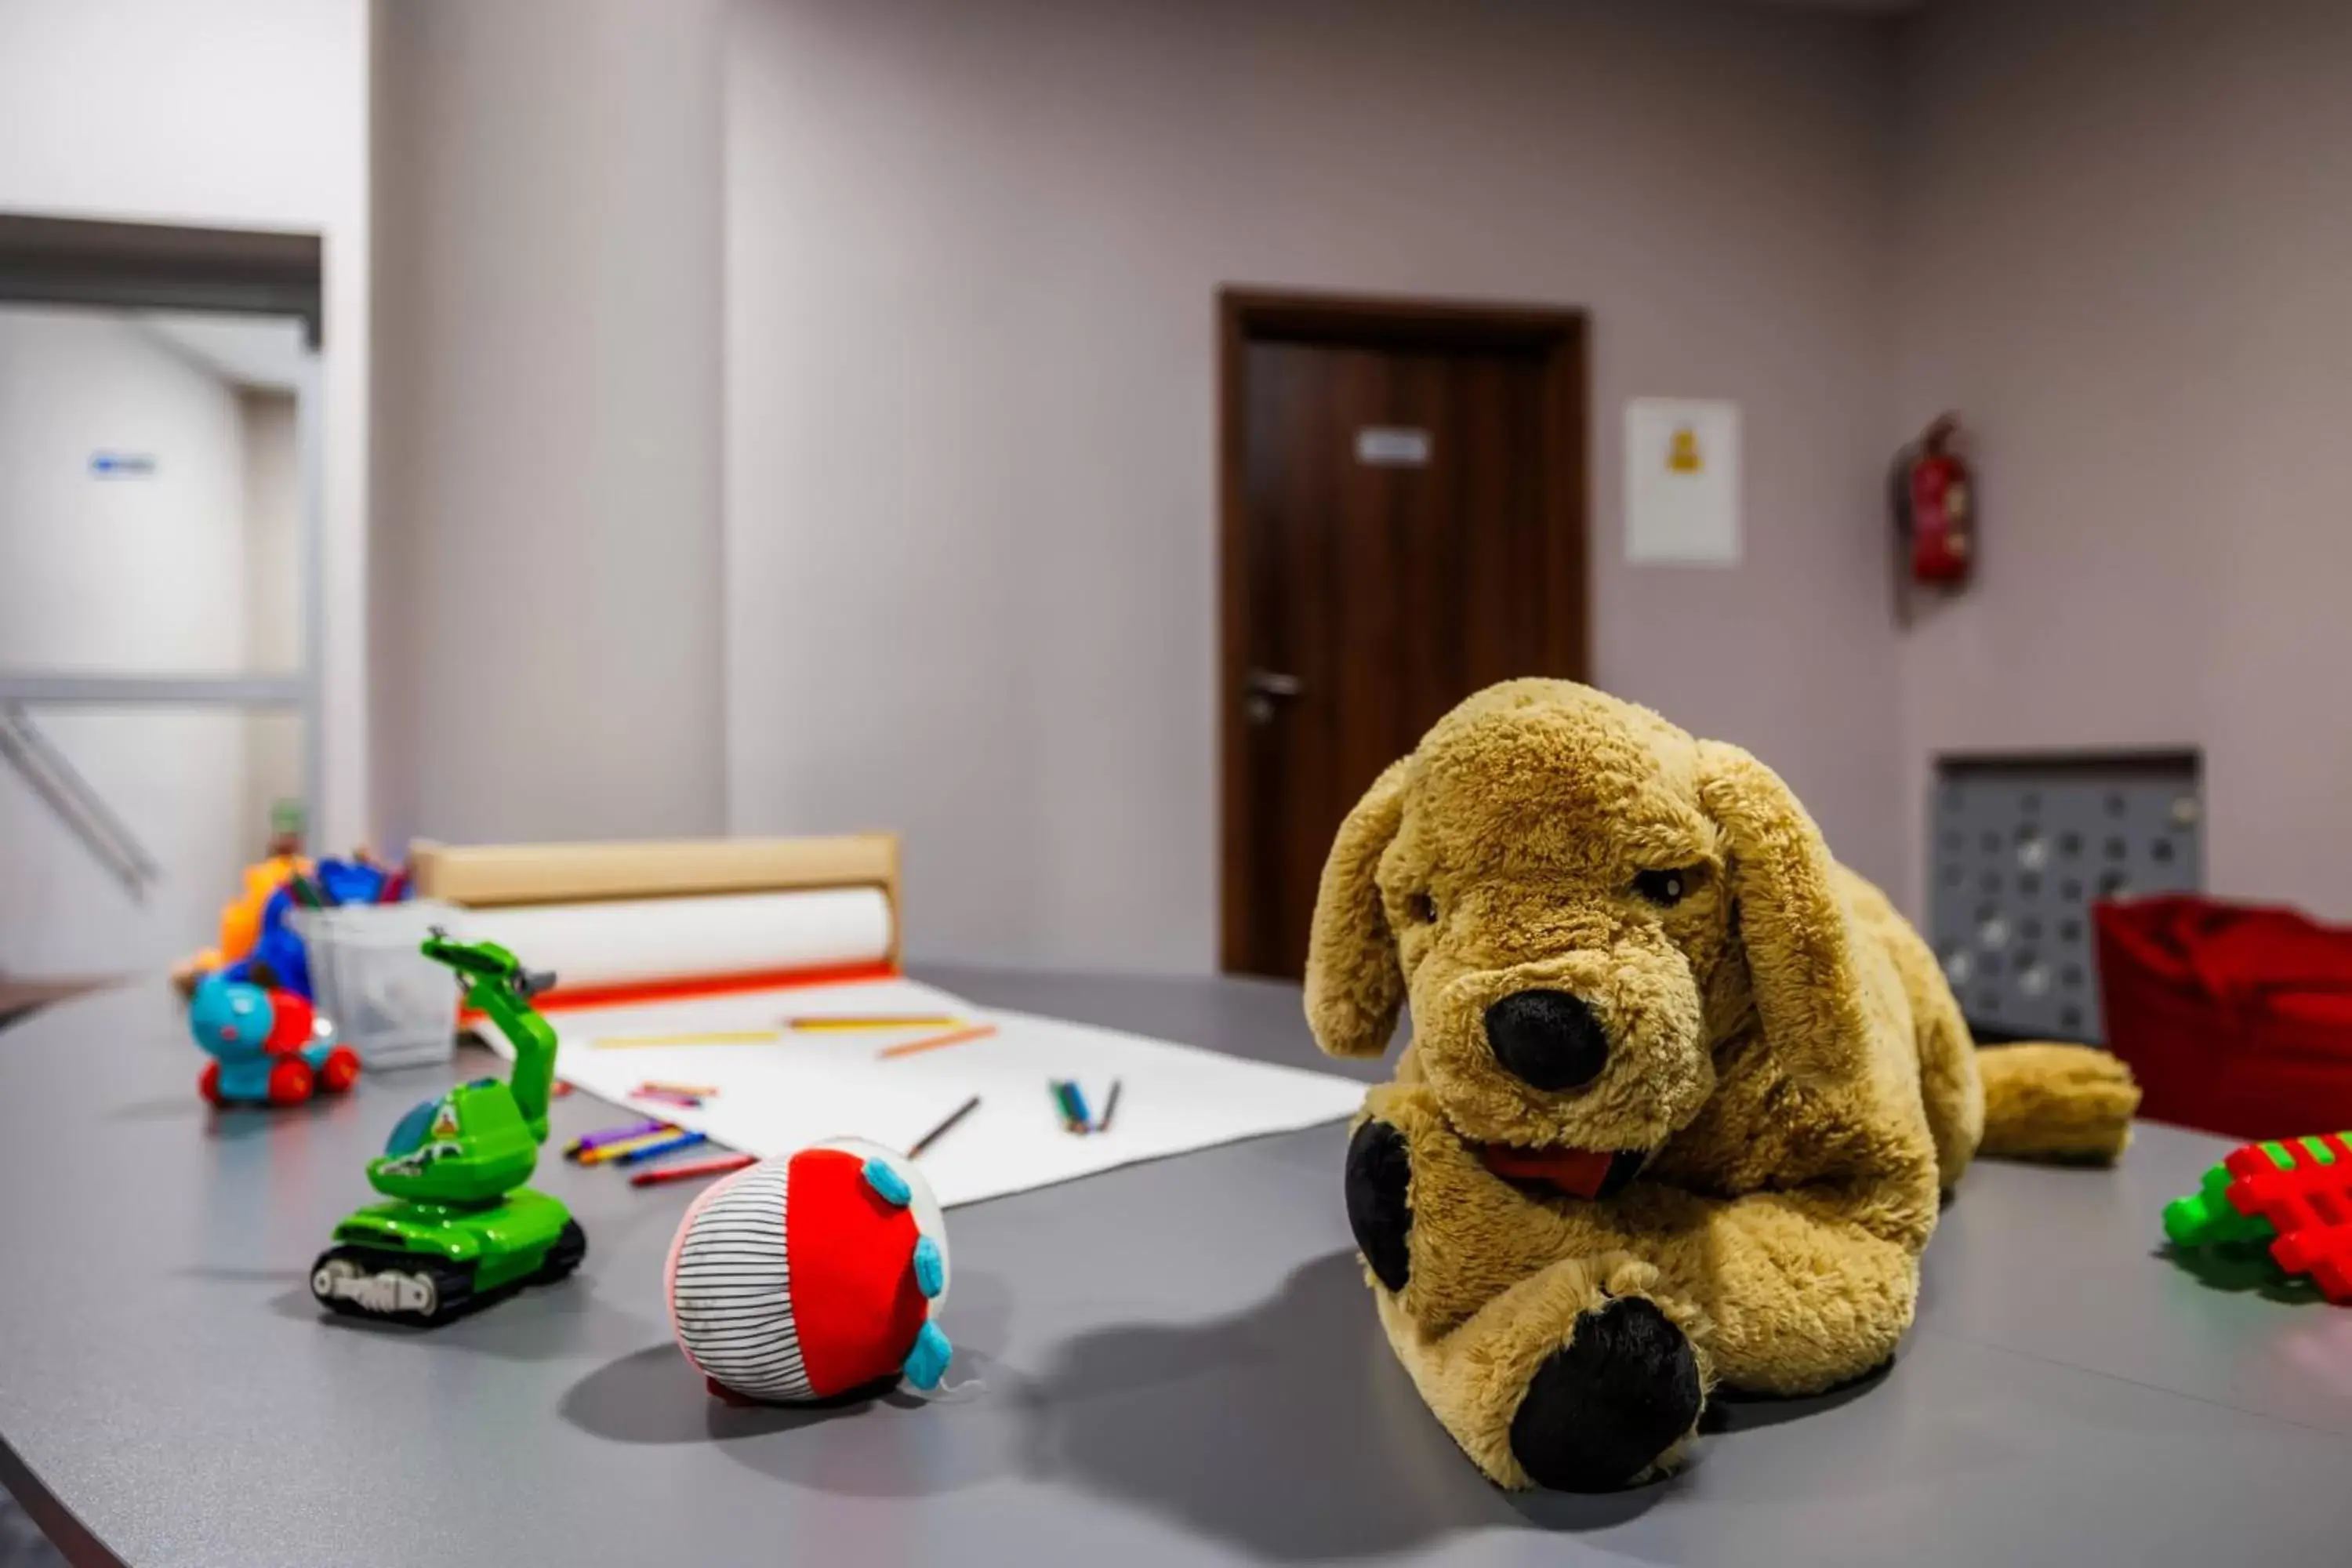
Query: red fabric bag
x=2236 y=1018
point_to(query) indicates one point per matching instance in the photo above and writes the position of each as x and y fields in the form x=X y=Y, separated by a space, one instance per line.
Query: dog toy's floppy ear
x=1792 y=921
x=1353 y=984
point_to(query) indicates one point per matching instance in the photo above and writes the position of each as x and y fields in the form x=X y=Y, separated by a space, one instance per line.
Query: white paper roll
x=643 y=939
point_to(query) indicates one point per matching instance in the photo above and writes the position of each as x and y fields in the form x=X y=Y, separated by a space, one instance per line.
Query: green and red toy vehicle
x=2291 y=1195
x=460 y=1229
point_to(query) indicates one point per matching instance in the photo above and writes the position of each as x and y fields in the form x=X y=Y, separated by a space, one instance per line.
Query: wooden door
x=1404 y=525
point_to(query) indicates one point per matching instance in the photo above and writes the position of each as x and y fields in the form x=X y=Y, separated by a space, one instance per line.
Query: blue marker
x=667 y=1146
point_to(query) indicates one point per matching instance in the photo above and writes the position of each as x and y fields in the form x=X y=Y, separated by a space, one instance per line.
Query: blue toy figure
x=267 y=1046
x=278 y=960
x=351 y=881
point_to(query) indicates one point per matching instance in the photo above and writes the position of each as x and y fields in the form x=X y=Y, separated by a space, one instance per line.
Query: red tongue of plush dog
x=1576 y=1172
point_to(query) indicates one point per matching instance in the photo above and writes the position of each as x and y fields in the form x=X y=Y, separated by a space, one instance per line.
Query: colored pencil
x=663 y=1097
x=720 y=1037
x=1110 y=1107
x=1078 y=1112
x=699 y=1090
x=1061 y=1093
x=619 y=1145
x=688 y=1170
x=639 y=1153
x=603 y=1152
x=876 y=1021
x=928 y=1139
x=605 y=1135
x=933 y=1042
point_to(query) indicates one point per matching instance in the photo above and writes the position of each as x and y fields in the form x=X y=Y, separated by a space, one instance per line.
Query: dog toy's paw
x=928 y=1361
x=1610 y=1404
x=1380 y=1170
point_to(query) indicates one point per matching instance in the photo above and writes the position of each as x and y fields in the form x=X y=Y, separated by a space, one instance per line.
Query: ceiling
x=262 y=352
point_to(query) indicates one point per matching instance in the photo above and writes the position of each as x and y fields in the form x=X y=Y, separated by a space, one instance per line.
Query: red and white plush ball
x=811 y=1274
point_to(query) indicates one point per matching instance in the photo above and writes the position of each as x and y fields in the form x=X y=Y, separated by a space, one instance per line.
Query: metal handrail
x=76 y=802
x=150 y=690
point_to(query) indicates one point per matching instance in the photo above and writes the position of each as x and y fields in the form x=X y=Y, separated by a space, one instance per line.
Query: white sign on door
x=1682 y=482
x=1393 y=446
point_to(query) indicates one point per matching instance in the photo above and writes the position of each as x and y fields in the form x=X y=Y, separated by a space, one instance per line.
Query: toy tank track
x=565 y=1256
x=419 y=1290
x=391 y=1287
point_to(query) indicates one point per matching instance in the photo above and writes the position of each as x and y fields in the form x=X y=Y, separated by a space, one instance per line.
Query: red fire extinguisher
x=1935 y=512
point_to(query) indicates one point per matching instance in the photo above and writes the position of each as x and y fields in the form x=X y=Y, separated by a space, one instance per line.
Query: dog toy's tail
x=2055 y=1102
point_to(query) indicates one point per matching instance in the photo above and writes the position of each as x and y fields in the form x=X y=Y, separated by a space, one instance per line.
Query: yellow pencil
x=724 y=1037
x=880 y=1021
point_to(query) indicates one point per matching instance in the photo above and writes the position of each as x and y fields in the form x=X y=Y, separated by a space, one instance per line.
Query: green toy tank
x=460 y=1229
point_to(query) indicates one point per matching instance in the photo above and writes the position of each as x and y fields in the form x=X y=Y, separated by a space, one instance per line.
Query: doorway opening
x=1402 y=521
x=160 y=614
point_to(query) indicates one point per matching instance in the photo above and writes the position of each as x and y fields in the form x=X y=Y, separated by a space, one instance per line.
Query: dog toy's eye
x=1422 y=908
x=1665 y=888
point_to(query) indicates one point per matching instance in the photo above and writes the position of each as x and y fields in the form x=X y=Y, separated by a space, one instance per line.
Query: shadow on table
x=1729 y=1410
x=652 y=1395
x=885 y=1442
x=1286 y=1430
x=228 y=1123
x=536 y=1322
x=1289 y=1430
x=2239 y=1267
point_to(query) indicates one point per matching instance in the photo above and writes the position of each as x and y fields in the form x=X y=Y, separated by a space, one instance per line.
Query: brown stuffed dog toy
x=1682 y=1091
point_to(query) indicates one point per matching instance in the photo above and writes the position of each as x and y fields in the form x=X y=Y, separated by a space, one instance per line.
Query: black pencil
x=1110 y=1107
x=928 y=1139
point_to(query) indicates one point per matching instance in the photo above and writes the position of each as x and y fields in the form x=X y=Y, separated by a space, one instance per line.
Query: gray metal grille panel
x=2019 y=849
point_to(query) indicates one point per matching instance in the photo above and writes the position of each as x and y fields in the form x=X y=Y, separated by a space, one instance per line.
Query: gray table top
x=1178 y=1363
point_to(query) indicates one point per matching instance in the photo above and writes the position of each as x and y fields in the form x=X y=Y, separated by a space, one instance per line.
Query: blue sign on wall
x=121 y=465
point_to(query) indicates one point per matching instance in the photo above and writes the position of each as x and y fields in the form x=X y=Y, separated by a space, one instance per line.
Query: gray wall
x=972 y=255
x=273 y=608
x=2123 y=256
x=545 y=539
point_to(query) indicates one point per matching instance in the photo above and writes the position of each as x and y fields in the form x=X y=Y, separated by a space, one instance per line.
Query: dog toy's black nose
x=1547 y=1039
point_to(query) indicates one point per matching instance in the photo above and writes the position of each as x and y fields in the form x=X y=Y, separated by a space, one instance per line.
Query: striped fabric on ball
x=730 y=1286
